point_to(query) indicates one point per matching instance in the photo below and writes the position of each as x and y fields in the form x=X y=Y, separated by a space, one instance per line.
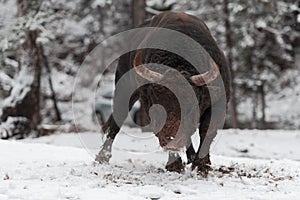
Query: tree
x=229 y=44
x=138 y=12
x=260 y=40
x=24 y=100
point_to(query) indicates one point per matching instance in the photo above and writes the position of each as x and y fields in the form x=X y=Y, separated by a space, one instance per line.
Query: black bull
x=205 y=85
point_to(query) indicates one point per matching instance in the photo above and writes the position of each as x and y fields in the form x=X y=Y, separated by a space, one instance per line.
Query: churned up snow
x=246 y=165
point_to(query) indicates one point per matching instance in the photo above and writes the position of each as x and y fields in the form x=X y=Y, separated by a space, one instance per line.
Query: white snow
x=6 y=82
x=58 y=167
x=21 y=87
x=7 y=11
x=100 y=3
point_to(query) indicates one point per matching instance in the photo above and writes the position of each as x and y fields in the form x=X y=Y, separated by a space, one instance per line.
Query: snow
x=97 y=3
x=6 y=82
x=7 y=11
x=14 y=127
x=21 y=88
x=284 y=106
x=57 y=167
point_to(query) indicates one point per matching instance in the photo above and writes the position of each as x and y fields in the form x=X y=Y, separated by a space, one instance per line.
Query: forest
x=44 y=43
x=58 y=60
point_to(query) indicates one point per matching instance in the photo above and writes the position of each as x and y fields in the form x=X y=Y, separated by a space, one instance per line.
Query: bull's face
x=174 y=125
x=165 y=121
x=166 y=125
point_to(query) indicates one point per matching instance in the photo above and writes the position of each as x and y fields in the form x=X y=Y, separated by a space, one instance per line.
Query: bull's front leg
x=190 y=153
x=112 y=128
x=175 y=163
x=208 y=130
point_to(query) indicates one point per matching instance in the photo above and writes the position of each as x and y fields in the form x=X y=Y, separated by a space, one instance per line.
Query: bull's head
x=161 y=95
x=198 y=80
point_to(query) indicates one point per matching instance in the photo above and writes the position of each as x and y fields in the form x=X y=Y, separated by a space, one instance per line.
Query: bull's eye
x=169 y=137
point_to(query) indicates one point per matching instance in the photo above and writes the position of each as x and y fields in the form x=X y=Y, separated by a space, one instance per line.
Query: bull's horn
x=207 y=77
x=143 y=71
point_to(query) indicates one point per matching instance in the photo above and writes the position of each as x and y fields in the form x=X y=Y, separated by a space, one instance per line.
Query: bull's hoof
x=103 y=157
x=202 y=170
x=202 y=165
x=175 y=166
x=105 y=154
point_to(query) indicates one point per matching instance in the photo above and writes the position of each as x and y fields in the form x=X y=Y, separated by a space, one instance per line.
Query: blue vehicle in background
x=103 y=109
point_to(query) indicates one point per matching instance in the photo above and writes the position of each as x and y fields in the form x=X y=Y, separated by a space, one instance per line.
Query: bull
x=205 y=86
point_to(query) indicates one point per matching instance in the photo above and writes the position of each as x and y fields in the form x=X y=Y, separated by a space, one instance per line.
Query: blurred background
x=44 y=42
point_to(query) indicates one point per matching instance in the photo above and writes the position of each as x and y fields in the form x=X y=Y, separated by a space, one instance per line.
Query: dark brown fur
x=157 y=94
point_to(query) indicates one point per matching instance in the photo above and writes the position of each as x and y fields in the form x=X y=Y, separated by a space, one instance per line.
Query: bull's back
x=191 y=26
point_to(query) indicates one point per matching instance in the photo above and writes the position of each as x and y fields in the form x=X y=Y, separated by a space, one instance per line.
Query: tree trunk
x=24 y=100
x=254 y=108
x=36 y=85
x=261 y=90
x=138 y=12
x=53 y=95
x=229 y=44
x=296 y=46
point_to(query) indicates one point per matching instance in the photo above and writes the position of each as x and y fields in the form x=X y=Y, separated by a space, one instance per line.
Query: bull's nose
x=162 y=142
x=171 y=147
x=176 y=144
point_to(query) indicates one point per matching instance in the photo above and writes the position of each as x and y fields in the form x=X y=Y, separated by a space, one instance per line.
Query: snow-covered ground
x=247 y=164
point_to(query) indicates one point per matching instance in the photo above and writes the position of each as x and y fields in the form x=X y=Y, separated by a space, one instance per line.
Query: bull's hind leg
x=112 y=128
x=208 y=130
